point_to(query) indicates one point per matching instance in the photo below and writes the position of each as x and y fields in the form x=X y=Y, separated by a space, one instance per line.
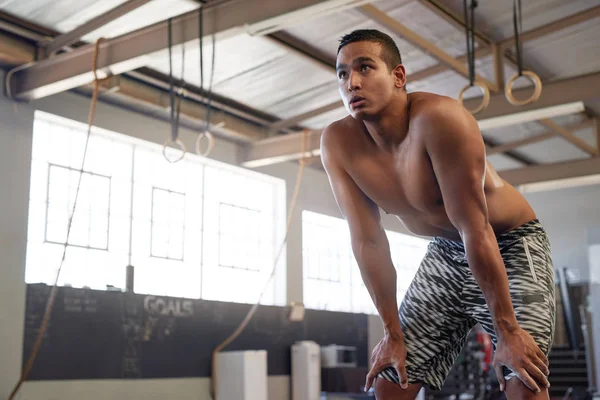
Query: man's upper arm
x=457 y=152
x=361 y=213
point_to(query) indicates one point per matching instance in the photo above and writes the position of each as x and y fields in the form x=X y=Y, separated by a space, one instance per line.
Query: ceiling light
x=559 y=184
x=533 y=115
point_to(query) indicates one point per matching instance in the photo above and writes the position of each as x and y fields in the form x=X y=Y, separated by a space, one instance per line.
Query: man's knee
x=516 y=390
x=386 y=390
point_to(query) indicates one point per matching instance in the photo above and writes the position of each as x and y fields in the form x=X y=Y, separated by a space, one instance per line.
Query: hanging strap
x=206 y=132
x=212 y=71
x=171 y=90
x=518 y=27
x=200 y=34
x=174 y=119
x=535 y=79
x=470 y=35
x=181 y=93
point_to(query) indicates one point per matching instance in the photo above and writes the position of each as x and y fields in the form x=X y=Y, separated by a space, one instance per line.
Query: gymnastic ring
x=484 y=103
x=179 y=143
x=536 y=92
x=211 y=143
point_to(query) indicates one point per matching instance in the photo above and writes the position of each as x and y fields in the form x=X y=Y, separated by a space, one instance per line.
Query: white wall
x=568 y=216
x=15 y=156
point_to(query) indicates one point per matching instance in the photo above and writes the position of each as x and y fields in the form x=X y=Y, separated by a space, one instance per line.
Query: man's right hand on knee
x=389 y=352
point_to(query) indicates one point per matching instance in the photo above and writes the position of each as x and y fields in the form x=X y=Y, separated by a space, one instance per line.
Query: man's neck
x=390 y=127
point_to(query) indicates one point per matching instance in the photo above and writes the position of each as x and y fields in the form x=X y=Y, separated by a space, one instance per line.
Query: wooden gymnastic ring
x=181 y=147
x=484 y=103
x=536 y=92
x=209 y=147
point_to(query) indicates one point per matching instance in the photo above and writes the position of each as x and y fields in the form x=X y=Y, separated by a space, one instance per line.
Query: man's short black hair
x=389 y=51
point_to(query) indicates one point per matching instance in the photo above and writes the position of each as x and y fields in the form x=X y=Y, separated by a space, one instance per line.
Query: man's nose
x=353 y=82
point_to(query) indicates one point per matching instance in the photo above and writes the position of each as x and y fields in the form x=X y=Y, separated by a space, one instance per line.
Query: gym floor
x=196 y=147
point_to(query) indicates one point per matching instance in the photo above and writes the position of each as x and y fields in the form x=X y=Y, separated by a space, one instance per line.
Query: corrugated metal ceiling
x=274 y=79
x=325 y=33
x=65 y=15
x=570 y=52
x=495 y=18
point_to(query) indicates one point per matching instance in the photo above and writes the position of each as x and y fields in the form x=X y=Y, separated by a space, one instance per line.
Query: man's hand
x=389 y=352
x=518 y=351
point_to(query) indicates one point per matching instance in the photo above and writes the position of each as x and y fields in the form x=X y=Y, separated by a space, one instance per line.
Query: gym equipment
x=470 y=33
x=531 y=75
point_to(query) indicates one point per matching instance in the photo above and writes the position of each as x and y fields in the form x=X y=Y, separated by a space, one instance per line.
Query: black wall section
x=107 y=335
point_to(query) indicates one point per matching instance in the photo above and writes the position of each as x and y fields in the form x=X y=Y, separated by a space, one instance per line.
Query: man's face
x=365 y=83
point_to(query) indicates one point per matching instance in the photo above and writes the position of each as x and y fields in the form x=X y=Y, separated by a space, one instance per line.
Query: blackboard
x=110 y=335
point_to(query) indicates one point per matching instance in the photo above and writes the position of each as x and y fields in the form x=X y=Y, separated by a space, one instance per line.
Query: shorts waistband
x=529 y=228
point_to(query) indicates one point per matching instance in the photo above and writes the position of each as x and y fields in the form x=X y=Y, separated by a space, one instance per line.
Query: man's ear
x=399 y=76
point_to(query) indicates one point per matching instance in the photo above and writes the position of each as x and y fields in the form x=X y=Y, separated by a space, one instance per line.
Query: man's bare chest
x=401 y=183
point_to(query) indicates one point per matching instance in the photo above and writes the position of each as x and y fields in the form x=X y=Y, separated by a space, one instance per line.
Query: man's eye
x=342 y=75
x=364 y=68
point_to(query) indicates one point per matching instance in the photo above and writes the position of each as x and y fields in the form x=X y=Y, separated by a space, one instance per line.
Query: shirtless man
x=421 y=157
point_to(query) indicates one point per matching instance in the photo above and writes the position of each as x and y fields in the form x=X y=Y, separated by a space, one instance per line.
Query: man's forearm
x=487 y=266
x=379 y=275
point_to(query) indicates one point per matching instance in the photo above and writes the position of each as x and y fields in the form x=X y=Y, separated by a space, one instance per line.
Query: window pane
x=90 y=261
x=332 y=279
x=141 y=209
x=242 y=237
x=168 y=211
x=89 y=227
x=167 y=224
x=239 y=245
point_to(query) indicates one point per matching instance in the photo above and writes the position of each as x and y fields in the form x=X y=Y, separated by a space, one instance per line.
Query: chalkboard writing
x=112 y=335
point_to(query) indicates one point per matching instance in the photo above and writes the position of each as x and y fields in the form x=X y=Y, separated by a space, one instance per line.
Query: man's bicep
x=361 y=213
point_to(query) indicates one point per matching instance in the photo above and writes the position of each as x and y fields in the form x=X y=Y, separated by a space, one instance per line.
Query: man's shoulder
x=433 y=117
x=431 y=108
x=336 y=140
x=337 y=133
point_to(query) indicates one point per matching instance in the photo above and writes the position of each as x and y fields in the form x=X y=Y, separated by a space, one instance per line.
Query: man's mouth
x=356 y=100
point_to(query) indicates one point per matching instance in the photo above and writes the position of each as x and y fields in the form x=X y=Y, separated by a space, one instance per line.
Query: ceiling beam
x=134 y=89
x=417 y=40
x=286 y=123
x=554 y=26
x=454 y=20
x=498 y=113
x=569 y=137
x=552 y=172
x=15 y=51
x=280 y=149
x=127 y=52
x=491 y=144
x=503 y=148
x=300 y=47
x=67 y=39
x=577 y=89
x=499 y=59
x=223 y=125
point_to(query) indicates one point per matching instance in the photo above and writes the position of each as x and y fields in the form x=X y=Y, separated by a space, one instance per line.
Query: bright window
x=332 y=279
x=196 y=228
